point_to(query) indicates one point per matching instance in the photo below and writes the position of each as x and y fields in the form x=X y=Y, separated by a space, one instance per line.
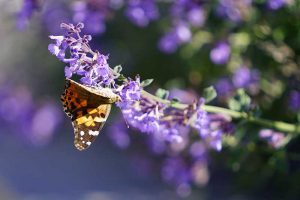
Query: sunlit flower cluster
x=166 y=124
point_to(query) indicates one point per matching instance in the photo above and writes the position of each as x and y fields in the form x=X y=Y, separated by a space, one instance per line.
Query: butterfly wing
x=78 y=98
x=88 y=109
x=87 y=127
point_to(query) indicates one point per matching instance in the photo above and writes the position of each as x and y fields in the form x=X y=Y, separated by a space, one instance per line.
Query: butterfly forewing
x=88 y=109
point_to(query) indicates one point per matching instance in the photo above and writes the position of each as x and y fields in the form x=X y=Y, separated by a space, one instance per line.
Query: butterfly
x=88 y=109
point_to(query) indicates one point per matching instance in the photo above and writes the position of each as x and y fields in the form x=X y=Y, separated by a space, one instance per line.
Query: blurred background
x=185 y=46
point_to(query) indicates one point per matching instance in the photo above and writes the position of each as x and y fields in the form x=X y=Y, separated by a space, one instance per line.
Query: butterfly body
x=88 y=109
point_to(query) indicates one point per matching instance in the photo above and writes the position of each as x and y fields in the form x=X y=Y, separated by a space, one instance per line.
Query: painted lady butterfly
x=88 y=108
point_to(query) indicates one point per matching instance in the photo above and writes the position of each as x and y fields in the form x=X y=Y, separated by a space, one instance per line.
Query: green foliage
x=209 y=94
x=146 y=82
x=240 y=101
x=162 y=93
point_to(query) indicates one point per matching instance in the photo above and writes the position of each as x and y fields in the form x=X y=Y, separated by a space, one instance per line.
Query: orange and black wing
x=88 y=111
x=87 y=127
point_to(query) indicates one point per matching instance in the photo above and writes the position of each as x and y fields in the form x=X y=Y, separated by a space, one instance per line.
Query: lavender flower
x=198 y=151
x=142 y=115
x=58 y=49
x=92 y=13
x=246 y=78
x=44 y=123
x=119 y=134
x=211 y=135
x=275 y=139
x=139 y=111
x=16 y=104
x=236 y=11
x=196 y=16
x=176 y=171
x=29 y=6
x=35 y=124
x=178 y=35
x=202 y=120
x=220 y=53
x=53 y=14
x=189 y=12
x=276 y=4
x=93 y=69
x=142 y=12
x=224 y=87
x=168 y=43
x=294 y=101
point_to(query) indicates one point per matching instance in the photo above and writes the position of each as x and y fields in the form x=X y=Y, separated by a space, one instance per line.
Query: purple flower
x=224 y=87
x=220 y=53
x=202 y=120
x=16 y=104
x=211 y=127
x=236 y=11
x=198 y=151
x=246 y=78
x=137 y=111
x=276 y=4
x=142 y=12
x=58 y=49
x=202 y=124
x=53 y=14
x=215 y=140
x=92 y=14
x=179 y=35
x=44 y=123
x=221 y=122
x=130 y=93
x=29 y=6
x=275 y=139
x=294 y=101
x=119 y=134
x=168 y=43
x=34 y=124
x=188 y=11
x=196 y=17
x=138 y=117
x=93 y=67
x=176 y=171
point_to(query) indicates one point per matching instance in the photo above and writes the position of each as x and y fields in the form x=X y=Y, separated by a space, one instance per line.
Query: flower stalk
x=150 y=113
x=278 y=125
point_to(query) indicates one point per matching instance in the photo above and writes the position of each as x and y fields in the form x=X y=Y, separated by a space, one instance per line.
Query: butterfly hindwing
x=87 y=127
x=88 y=108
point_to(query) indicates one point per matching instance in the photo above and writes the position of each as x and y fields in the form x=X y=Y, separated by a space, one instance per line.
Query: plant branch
x=278 y=125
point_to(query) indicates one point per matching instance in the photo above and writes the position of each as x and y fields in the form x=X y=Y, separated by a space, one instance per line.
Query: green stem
x=280 y=126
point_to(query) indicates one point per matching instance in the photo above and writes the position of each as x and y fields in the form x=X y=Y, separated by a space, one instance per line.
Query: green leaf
x=146 y=82
x=121 y=77
x=209 y=94
x=118 y=69
x=162 y=93
x=174 y=101
x=240 y=102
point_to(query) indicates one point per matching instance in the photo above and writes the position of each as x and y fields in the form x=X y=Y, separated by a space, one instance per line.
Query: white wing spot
x=81 y=138
x=93 y=133
x=88 y=143
x=81 y=133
